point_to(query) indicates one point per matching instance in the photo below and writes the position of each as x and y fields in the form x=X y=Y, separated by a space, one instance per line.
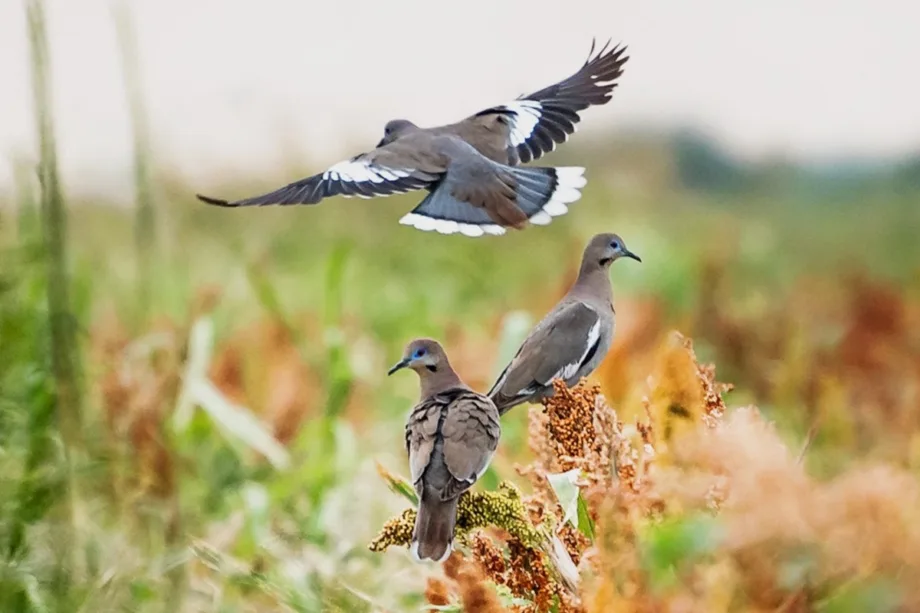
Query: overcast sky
x=243 y=85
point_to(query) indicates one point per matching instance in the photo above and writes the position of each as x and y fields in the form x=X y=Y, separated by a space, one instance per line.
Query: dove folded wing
x=461 y=427
x=557 y=348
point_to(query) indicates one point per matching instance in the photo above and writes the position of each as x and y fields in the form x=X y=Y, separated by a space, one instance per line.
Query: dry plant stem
x=809 y=439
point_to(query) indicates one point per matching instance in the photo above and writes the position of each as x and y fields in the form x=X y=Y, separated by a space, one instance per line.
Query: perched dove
x=573 y=338
x=451 y=435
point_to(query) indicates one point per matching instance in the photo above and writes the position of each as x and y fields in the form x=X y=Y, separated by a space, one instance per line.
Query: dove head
x=603 y=250
x=394 y=129
x=424 y=356
x=427 y=358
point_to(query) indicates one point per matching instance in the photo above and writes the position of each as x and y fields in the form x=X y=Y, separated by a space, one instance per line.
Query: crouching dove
x=451 y=435
x=469 y=168
x=573 y=338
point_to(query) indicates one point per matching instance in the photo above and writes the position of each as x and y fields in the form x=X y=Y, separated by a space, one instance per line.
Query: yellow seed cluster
x=503 y=508
x=396 y=531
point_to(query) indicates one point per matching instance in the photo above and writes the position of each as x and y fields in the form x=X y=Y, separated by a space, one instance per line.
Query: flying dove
x=470 y=168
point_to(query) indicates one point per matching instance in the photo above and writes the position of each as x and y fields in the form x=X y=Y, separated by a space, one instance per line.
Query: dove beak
x=632 y=255
x=398 y=366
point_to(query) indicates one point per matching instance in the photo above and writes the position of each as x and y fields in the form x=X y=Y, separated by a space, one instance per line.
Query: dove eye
x=615 y=245
x=418 y=353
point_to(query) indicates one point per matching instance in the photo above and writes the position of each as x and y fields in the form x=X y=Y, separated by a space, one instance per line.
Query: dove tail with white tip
x=544 y=193
x=433 y=534
x=540 y=193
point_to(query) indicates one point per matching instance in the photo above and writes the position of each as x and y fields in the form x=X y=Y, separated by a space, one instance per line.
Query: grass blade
x=144 y=221
x=239 y=422
x=398 y=484
x=200 y=344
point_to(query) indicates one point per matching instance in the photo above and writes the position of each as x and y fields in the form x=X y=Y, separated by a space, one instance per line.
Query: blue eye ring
x=418 y=353
x=615 y=245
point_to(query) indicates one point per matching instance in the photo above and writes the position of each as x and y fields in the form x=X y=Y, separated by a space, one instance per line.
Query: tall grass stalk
x=144 y=220
x=54 y=232
x=27 y=226
x=61 y=325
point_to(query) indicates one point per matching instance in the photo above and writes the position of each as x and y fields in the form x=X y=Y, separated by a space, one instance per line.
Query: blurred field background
x=193 y=401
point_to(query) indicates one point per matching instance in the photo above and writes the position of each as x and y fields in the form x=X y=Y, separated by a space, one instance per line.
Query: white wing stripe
x=389 y=175
x=526 y=117
x=358 y=171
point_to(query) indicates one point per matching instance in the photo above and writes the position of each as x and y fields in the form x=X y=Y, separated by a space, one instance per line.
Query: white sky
x=247 y=86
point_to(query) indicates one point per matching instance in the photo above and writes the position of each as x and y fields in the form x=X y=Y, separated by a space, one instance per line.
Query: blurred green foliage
x=669 y=546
